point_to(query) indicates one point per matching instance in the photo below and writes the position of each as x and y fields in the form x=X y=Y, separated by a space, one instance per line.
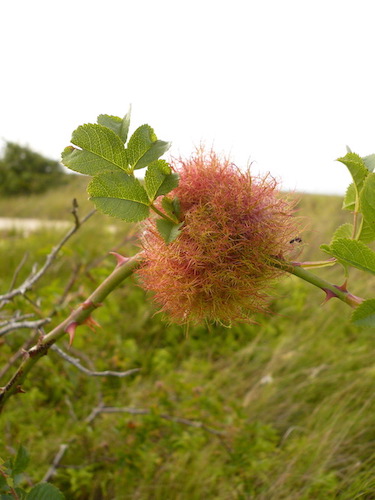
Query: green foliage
x=100 y=151
x=22 y=171
x=52 y=204
x=367 y=205
x=44 y=491
x=369 y=162
x=352 y=253
x=267 y=410
x=349 y=242
x=144 y=147
x=159 y=179
x=350 y=198
x=11 y=475
x=120 y=195
x=172 y=207
x=356 y=167
x=21 y=461
x=343 y=231
x=118 y=125
x=292 y=394
x=366 y=233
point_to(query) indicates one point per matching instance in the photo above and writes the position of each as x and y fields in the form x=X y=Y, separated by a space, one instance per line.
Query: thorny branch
x=36 y=275
x=55 y=463
x=16 y=356
x=11 y=489
x=16 y=317
x=17 y=271
x=144 y=411
x=125 y=267
x=132 y=411
x=75 y=362
x=15 y=325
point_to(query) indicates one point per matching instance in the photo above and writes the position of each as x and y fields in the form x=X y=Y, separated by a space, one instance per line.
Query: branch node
x=88 y=304
x=74 y=212
x=25 y=353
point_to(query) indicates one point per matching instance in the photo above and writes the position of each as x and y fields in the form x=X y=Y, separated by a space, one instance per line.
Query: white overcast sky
x=286 y=84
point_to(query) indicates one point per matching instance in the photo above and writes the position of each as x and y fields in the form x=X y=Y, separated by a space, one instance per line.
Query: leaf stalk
x=162 y=214
x=331 y=290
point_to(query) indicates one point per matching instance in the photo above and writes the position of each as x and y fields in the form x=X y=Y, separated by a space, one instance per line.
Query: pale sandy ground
x=29 y=225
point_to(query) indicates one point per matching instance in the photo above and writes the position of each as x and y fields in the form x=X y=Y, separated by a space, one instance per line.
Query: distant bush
x=23 y=171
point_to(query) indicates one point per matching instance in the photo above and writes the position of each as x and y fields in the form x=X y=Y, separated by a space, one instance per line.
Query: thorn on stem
x=343 y=287
x=329 y=295
x=71 y=330
x=120 y=258
x=91 y=323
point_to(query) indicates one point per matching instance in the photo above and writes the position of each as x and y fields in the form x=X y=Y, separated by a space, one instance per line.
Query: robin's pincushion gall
x=235 y=227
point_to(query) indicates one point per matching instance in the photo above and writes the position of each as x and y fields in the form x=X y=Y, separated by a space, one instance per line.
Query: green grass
x=54 y=204
x=293 y=394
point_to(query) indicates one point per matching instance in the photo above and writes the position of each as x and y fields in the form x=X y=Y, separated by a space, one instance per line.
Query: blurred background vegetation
x=23 y=171
x=291 y=394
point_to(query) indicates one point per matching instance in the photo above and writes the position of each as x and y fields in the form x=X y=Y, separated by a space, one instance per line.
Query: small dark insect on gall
x=296 y=240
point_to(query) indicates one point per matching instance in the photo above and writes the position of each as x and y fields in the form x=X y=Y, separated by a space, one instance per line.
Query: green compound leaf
x=101 y=150
x=159 y=179
x=350 y=198
x=112 y=122
x=343 y=231
x=45 y=491
x=170 y=182
x=364 y=315
x=139 y=143
x=356 y=167
x=168 y=230
x=157 y=150
x=85 y=162
x=144 y=147
x=352 y=253
x=119 y=195
x=120 y=126
x=367 y=203
x=155 y=176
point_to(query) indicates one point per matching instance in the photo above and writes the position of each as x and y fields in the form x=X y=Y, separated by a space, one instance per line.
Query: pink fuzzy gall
x=220 y=266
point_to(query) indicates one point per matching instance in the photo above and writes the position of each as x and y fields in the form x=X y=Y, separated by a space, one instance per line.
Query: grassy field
x=279 y=409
